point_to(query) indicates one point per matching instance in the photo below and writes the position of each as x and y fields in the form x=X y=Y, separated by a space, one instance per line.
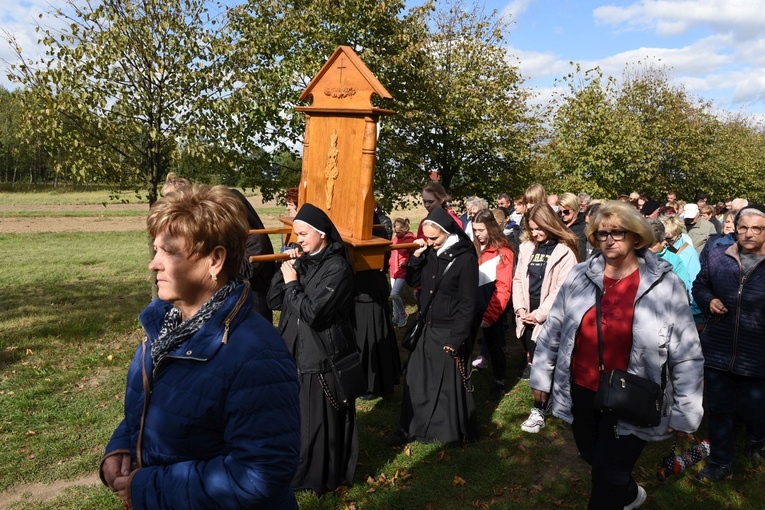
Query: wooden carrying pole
x=271 y=257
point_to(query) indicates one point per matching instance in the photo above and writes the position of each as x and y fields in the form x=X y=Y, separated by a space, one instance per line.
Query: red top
x=399 y=258
x=617 y=310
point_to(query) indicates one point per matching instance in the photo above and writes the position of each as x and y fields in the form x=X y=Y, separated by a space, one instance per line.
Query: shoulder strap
x=424 y=311
x=601 y=363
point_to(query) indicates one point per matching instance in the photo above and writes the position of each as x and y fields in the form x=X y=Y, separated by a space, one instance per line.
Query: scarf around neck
x=174 y=331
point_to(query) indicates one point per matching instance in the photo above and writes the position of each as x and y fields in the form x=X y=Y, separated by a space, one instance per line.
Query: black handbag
x=350 y=380
x=413 y=334
x=629 y=397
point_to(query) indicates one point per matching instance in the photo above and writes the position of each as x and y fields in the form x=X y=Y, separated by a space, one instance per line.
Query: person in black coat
x=258 y=273
x=314 y=291
x=374 y=332
x=437 y=404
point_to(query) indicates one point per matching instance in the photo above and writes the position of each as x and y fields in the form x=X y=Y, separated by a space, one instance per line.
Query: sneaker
x=398 y=438
x=480 y=362
x=526 y=372
x=402 y=320
x=535 y=422
x=639 y=499
x=714 y=473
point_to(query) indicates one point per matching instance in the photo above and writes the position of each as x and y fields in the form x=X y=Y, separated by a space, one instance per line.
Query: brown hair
x=546 y=219
x=535 y=194
x=438 y=191
x=624 y=215
x=403 y=223
x=172 y=183
x=496 y=236
x=291 y=196
x=205 y=217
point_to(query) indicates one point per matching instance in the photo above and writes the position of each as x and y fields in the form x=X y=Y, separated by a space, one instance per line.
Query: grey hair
x=658 y=229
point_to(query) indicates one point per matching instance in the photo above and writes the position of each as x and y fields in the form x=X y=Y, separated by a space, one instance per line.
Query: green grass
x=68 y=329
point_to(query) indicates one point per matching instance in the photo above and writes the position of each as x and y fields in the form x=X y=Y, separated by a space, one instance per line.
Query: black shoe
x=398 y=438
x=526 y=372
x=368 y=396
x=498 y=391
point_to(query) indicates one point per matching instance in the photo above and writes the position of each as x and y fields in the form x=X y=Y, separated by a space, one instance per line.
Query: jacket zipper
x=738 y=316
x=235 y=311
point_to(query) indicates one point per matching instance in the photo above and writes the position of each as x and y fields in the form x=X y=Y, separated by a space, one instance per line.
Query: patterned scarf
x=174 y=332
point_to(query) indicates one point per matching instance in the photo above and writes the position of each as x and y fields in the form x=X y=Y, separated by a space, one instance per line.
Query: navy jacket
x=221 y=428
x=735 y=342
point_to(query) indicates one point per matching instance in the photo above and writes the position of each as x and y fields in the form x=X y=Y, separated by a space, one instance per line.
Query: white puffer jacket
x=663 y=331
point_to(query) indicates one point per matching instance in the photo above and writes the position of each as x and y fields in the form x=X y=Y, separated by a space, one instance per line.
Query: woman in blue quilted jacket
x=212 y=414
x=730 y=289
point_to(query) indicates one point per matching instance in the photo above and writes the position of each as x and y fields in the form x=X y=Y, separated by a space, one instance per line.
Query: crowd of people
x=223 y=409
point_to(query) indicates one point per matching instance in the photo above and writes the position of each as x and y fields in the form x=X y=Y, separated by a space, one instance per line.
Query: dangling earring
x=214 y=277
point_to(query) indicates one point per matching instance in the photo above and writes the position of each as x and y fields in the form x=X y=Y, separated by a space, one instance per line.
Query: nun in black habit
x=437 y=406
x=374 y=332
x=314 y=291
x=258 y=273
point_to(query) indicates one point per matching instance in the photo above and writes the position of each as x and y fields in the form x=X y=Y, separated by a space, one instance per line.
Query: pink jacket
x=558 y=266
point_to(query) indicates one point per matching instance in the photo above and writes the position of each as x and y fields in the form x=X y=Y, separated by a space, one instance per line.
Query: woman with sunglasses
x=568 y=209
x=646 y=329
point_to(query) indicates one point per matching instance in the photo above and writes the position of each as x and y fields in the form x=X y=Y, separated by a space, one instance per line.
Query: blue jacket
x=221 y=428
x=735 y=342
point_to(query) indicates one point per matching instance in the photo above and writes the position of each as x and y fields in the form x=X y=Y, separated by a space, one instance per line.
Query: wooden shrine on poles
x=339 y=154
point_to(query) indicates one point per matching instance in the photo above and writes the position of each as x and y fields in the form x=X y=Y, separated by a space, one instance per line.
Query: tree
x=459 y=106
x=464 y=113
x=124 y=83
x=644 y=135
x=582 y=151
x=280 y=45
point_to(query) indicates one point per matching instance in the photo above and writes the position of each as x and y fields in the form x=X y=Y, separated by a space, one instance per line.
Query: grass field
x=68 y=328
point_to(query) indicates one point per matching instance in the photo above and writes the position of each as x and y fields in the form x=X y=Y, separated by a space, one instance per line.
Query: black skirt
x=436 y=406
x=329 y=443
x=374 y=333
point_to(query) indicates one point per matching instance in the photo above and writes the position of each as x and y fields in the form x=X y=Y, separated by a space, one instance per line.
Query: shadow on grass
x=84 y=311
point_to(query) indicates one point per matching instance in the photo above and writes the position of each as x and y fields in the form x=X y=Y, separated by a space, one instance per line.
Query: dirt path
x=58 y=222
x=41 y=492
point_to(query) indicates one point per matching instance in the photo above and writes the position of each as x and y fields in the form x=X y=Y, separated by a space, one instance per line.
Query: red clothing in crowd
x=617 y=309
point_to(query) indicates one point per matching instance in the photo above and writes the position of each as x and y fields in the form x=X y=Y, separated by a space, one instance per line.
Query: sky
x=713 y=48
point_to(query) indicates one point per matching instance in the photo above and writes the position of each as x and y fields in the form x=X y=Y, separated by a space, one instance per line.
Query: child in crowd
x=398 y=261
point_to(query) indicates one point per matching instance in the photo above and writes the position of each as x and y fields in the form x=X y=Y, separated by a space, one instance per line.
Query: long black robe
x=374 y=332
x=436 y=406
x=315 y=323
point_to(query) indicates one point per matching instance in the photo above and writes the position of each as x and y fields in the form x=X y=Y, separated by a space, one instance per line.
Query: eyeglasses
x=743 y=230
x=616 y=235
x=565 y=212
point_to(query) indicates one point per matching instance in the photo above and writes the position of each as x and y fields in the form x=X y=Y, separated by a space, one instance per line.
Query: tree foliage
x=278 y=46
x=124 y=84
x=647 y=135
x=465 y=115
